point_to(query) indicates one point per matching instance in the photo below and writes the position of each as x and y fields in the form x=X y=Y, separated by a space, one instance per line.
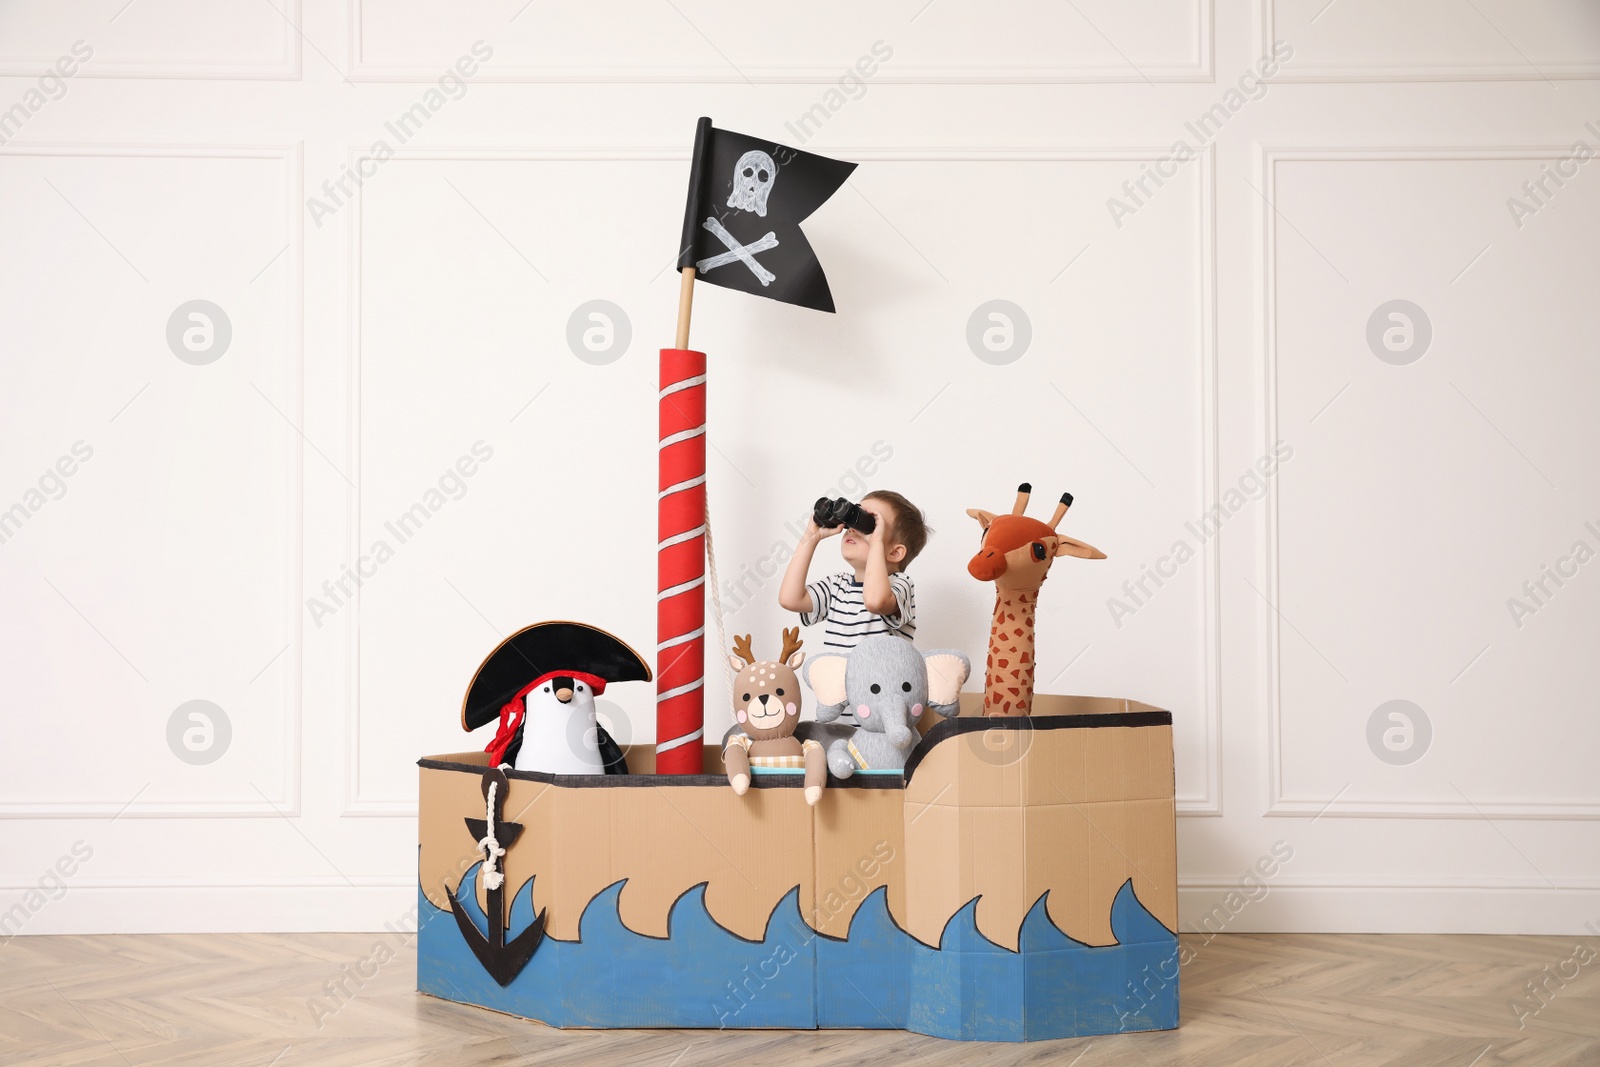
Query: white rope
x=716 y=604
x=680 y=487
x=681 y=587
x=680 y=538
x=680 y=386
x=668 y=746
x=682 y=435
x=678 y=691
x=489 y=846
x=681 y=639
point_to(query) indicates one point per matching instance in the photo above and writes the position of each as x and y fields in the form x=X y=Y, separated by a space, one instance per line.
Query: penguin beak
x=564 y=695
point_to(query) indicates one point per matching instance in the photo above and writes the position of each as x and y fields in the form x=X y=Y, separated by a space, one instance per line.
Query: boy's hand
x=818 y=533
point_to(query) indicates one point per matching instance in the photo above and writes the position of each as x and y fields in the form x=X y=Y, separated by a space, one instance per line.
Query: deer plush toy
x=1016 y=555
x=766 y=703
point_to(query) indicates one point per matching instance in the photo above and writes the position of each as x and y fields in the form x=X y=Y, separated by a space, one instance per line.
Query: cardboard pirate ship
x=1017 y=880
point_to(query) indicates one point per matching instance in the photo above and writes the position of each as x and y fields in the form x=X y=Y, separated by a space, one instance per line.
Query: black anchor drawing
x=502 y=959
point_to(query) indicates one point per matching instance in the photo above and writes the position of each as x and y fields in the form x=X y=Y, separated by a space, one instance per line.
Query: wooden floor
x=1280 y=1000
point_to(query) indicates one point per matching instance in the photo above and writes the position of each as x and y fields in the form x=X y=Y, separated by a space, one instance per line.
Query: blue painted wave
x=972 y=989
x=880 y=977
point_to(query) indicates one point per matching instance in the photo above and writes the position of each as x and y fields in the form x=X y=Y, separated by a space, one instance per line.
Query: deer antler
x=791 y=644
x=741 y=648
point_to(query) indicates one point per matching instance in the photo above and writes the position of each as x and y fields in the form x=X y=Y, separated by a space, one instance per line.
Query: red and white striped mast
x=681 y=552
x=681 y=524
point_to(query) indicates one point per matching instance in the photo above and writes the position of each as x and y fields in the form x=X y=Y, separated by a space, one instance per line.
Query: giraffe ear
x=1070 y=546
x=985 y=518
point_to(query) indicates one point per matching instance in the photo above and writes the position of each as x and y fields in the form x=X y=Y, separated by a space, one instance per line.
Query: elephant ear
x=947 y=672
x=825 y=675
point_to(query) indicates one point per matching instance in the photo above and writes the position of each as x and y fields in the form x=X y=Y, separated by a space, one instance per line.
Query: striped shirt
x=837 y=602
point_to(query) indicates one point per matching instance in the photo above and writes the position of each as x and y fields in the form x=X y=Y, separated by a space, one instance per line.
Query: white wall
x=1174 y=342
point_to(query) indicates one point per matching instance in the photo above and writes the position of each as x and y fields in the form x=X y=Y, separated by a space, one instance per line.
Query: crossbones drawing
x=737 y=251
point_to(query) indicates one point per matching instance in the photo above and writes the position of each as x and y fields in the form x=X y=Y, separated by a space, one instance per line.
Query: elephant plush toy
x=889 y=684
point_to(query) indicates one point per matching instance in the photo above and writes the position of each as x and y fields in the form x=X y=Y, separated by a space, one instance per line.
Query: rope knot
x=490 y=845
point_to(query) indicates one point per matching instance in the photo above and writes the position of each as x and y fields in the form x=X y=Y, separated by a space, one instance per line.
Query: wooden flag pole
x=685 y=306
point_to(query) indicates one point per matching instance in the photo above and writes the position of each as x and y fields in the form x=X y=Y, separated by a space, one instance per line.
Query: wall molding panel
x=1197 y=69
x=1206 y=803
x=286 y=802
x=285 y=68
x=1283 y=800
x=1518 y=68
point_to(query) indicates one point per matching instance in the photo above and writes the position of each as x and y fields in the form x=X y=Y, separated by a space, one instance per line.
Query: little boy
x=878 y=598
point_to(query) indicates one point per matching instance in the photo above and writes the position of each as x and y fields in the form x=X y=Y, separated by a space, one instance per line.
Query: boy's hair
x=910 y=528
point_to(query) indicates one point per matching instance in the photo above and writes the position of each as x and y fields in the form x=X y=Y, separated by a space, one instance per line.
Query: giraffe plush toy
x=1016 y=555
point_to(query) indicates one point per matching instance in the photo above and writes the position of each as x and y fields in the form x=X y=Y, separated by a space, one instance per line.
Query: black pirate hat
x=573 y=649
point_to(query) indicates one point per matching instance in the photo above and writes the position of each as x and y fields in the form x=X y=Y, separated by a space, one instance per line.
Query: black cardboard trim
x=977 y=724
x=940 y=732
x=640 y=781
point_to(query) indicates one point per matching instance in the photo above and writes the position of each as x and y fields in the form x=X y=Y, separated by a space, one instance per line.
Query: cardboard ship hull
x=1019 y=882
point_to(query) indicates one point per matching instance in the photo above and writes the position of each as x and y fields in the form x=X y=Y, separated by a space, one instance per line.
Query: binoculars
x=840 y=512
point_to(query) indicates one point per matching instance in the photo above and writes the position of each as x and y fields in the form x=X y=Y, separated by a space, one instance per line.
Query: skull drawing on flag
x=753 y=176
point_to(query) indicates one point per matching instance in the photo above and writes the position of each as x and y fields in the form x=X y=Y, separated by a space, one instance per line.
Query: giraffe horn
x=1061 y=510
x=1021 y=505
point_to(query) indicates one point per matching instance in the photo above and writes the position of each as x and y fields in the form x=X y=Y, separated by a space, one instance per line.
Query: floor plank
x=1251 y=1000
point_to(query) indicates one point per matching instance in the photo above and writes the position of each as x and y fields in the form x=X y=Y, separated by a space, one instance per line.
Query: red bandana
x=516 y=709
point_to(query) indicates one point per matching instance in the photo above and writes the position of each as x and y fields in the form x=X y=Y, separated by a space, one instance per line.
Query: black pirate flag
x=741 y=227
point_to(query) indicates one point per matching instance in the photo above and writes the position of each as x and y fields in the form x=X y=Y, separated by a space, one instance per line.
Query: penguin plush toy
x=540 y=683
